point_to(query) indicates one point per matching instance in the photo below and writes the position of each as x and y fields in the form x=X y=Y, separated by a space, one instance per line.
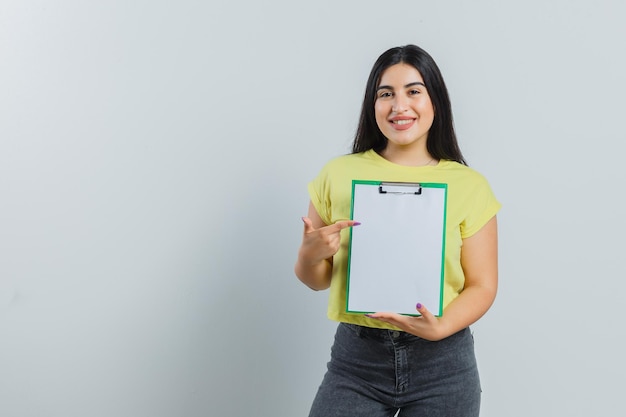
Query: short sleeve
x=481 y=207
x=319 y=194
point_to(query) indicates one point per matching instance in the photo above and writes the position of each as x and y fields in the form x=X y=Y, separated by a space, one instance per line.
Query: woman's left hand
x=427 y=326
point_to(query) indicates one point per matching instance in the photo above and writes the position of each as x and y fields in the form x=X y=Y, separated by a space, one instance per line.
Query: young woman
x=384 y=362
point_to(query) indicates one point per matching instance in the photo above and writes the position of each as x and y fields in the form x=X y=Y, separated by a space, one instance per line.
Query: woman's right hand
x=322 y=243
x=319 y=243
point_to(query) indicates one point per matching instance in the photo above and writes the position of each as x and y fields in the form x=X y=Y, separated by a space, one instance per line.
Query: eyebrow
x=388 y=87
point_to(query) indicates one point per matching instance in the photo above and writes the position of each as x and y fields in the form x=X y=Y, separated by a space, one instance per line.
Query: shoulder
x=352 y=158
x=346 y=163
x=461 y=172
x=465 y=183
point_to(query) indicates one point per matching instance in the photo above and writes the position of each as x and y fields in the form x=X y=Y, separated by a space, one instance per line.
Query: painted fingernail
x=356 y=223
x=418 y=306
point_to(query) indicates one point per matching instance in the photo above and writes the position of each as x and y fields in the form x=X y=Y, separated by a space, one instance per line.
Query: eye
x=414 y=92
x=385 y=94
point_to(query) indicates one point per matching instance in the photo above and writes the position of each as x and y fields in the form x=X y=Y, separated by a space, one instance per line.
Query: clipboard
x=396 y=255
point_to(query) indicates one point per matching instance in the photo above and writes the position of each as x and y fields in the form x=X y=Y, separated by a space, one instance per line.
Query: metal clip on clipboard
x=400 y=188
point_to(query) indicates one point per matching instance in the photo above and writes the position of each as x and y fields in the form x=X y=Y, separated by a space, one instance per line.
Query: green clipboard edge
x=443 y=246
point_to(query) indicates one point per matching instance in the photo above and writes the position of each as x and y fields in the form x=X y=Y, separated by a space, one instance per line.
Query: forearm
x=470 y=305
x=314 y=275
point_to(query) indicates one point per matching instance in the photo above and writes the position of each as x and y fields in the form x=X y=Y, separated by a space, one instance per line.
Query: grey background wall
x=154 y=157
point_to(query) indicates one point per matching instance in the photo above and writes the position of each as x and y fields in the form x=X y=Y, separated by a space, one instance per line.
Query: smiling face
x=403 y=109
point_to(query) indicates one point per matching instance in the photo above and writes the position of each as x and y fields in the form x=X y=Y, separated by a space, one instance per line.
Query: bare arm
x=479 y=259
x=319 y=243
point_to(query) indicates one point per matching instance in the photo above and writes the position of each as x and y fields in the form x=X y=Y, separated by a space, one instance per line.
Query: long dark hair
x=441 y=143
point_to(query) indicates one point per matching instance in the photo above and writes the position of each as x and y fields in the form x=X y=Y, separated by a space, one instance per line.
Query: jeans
x=375 y=373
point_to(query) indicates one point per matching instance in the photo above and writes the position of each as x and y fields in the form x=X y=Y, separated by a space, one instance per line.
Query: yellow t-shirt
x=470 y=204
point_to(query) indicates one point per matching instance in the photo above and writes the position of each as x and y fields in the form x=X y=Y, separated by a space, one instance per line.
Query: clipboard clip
x=400 y=188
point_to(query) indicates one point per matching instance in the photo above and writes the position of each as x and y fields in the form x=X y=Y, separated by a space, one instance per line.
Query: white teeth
x=403 y=122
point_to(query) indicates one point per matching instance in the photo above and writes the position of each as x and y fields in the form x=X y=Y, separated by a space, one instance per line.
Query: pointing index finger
x=340 y=225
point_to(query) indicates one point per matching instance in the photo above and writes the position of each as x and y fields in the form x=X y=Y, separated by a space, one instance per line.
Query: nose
x=399 y=104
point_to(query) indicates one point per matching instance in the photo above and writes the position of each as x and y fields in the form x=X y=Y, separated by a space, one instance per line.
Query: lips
x=402 y=124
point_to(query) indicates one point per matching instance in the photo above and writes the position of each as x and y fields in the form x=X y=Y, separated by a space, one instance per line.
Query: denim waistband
x=380 y=334
x=388 y=334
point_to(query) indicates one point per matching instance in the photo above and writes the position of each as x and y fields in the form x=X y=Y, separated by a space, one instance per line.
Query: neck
x=404 y=157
